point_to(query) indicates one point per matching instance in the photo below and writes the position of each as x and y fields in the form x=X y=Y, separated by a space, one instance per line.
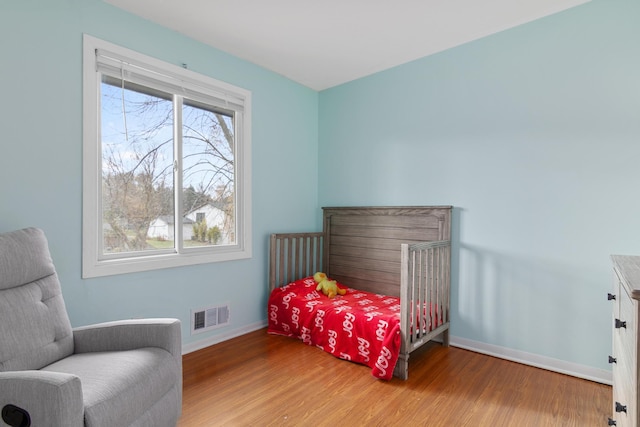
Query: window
x=166 y=175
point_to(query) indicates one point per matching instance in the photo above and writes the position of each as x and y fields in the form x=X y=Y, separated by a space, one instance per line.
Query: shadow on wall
x=534 y=305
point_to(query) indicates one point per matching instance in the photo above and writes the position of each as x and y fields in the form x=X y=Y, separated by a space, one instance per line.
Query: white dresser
x=624 y=359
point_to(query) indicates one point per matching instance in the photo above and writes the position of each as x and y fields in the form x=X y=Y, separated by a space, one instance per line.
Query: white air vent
x=205 y=319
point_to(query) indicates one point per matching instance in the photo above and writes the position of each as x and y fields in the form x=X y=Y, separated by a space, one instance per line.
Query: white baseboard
x=198 y=345
x=531 y=359
x=548 y=363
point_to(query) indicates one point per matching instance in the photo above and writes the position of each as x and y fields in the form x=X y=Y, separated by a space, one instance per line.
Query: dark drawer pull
x=613 y=359
x=621 y=324
x=612 y=422
x=610 y=297
x=621 y=408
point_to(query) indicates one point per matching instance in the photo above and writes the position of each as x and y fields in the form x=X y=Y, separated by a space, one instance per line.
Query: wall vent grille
x=205 y=319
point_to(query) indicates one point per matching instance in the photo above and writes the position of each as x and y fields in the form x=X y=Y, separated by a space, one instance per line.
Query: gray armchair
x=123 y=373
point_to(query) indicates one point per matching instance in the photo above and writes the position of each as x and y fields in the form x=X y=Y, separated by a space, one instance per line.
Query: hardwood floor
x=265 y=380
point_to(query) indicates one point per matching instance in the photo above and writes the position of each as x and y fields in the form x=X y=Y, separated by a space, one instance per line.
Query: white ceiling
x=325 y=43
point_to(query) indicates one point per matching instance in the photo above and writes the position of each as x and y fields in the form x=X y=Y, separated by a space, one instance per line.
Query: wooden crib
x=398 y=251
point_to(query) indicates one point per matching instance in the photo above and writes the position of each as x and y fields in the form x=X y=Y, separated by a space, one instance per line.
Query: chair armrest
x=50 y=398
x=130 y=334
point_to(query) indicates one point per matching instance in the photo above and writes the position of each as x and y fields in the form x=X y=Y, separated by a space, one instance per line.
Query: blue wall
x=41 y=159
x=533 y=134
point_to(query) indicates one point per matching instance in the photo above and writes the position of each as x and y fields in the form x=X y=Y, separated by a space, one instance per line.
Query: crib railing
x=294 y=256
x=425 y=292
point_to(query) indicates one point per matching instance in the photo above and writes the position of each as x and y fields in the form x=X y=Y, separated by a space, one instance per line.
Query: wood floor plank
x=266 y=380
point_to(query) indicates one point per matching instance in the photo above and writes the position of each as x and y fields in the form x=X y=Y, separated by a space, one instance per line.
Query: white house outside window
x=166 y=164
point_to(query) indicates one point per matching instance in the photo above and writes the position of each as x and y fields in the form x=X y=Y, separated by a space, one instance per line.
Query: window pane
x=137 y=168
x=208 y=152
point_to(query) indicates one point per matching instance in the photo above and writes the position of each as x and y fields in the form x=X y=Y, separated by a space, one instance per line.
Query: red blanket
x=360 y=326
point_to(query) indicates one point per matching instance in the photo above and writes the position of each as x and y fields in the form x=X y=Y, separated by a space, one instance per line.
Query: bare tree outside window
x=138 y=170
x=166 y=164
x=209 y=163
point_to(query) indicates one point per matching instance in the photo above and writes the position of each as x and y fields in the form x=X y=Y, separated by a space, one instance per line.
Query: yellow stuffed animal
x=329 y=287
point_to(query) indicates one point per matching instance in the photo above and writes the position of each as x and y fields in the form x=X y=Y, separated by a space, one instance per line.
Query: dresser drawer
x=623 y=393
x=626 y=418
x=625 y=351
x=625 y=327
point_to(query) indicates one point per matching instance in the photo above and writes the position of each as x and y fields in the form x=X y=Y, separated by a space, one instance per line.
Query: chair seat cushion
x=118 y=387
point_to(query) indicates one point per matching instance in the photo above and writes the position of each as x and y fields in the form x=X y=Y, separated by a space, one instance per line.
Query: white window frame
x=93 y=263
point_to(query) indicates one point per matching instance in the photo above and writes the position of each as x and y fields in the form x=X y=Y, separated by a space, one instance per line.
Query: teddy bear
x=329 y=287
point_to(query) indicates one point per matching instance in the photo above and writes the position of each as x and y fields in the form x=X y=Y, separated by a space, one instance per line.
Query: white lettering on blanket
x=371 y=315
x=320 y=320
x=342 y=308
x=305 y=334
x=273 y=314
x=332 y=340
x=382 y=329
x=312 y=295
x=295 y=316
x=287 y=299
x=310 y=305
x=347 y=325
x=383 y=360
x=363 y=348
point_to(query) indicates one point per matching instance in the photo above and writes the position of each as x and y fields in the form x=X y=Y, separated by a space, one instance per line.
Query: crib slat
x=294 y=256
x=407 y=285
x=427 y=271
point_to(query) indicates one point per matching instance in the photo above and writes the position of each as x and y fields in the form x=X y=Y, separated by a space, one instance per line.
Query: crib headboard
x=359 y=246
x=362 y=244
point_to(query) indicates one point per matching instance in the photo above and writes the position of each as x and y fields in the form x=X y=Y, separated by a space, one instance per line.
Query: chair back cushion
x=34 y=326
